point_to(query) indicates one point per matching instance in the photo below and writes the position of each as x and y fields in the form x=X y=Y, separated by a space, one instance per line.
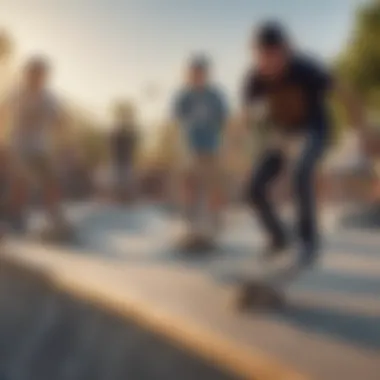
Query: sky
x=104 y=50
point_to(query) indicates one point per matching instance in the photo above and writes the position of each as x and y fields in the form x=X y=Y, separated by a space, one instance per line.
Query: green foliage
x=339 y=119
x=359 y=64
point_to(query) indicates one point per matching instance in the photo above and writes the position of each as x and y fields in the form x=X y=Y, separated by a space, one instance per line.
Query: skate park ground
x=122 y=302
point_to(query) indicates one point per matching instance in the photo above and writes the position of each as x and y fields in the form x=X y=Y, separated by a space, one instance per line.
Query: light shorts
x=36 y=168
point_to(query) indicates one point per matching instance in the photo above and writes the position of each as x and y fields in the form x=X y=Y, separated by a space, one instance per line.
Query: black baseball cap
x=271 y=34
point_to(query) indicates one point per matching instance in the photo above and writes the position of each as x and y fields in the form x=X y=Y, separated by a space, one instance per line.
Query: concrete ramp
x=47 y=333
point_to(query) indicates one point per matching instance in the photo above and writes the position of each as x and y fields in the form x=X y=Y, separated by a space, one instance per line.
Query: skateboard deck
x=194 y=243
x=259 y=294
x=265 y=292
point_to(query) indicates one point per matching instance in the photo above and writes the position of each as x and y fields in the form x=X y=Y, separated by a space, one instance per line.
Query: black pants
x=270 y=166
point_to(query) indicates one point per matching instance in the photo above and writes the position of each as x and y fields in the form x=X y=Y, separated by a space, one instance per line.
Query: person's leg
x=131 y=182
x=305 y=194
x=174 y=197
x=20 y=184
x=119 y=180
x=50 y=186
x=213 y=189
x=196 y=194
x=268 y=170
x=18 y=197
x=188 y=197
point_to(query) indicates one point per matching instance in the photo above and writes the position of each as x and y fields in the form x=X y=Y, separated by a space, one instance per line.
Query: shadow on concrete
x=356 y=329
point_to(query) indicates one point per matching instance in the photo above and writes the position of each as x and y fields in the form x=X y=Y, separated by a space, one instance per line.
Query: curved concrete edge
x=239 y=360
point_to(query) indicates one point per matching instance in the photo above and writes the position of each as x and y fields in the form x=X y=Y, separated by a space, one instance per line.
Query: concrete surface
x=126 y=258
x=47 y=334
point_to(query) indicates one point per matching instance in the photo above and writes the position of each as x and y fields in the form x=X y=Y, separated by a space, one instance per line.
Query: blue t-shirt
x=202 y=114
x=297 y=98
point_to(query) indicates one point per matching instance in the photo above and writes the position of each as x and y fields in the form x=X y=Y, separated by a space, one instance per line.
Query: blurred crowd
x=119 y=172
x=45 y=157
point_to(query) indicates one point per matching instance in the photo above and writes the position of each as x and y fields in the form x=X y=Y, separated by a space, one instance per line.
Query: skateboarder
x=287 y=92
x=200 y=111
x=36 y=118
x=124 y=145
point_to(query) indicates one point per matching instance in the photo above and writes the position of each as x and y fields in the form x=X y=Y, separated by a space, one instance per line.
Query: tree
x=359 y=64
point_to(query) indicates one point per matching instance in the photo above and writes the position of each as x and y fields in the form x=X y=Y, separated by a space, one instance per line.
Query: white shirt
x=33 y=117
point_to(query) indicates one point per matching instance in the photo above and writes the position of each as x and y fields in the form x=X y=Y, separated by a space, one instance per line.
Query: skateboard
x=258 y=295
x=266 y=292
x=194 y=243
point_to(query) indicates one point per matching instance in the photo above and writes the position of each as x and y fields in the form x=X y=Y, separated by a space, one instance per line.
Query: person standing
x=37 y=120
x=124 y=143
x=201 y=112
